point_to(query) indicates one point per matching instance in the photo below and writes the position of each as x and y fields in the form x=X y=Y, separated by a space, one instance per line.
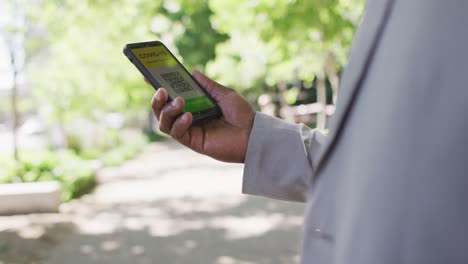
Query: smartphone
x=162 y=69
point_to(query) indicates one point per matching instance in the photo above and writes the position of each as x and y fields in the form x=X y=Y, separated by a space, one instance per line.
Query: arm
x=279 y=158
x=277 y=154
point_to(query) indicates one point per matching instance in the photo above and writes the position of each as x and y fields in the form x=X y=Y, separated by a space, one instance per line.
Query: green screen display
x=173 y=77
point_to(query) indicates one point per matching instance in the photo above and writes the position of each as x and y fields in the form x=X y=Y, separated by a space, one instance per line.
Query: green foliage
x=77 y=67
x=111 y=146
x=185 y=26
x=81 y=71
x=76 y=175
x=279 y=40
x=75 y=171
x=129 y=145
x=23 y=104
x=120 y=154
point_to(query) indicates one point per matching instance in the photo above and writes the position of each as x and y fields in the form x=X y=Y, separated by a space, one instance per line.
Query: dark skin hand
x=225 y=138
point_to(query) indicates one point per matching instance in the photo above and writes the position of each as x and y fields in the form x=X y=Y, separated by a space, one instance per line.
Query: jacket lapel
x=362 y=53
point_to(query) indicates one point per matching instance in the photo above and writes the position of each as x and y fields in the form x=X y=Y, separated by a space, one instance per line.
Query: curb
x=27 y=198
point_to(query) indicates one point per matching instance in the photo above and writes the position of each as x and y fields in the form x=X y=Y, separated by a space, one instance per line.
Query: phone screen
x=173 y=77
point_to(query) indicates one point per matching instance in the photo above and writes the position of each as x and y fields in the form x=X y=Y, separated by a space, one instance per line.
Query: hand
x=225 y=138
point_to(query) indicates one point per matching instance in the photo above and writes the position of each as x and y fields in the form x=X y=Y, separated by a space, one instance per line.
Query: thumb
x=216 y=90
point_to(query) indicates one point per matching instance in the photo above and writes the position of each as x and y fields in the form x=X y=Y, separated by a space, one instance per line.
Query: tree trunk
x=283 y=104
x=14 y=105
x=333 y=76
x=322 y=100
x=65 y=137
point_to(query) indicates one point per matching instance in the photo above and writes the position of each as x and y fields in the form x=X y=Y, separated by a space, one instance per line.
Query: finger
x=159 y=101
x=213 y=88
x=180 y=128
x=169 y=114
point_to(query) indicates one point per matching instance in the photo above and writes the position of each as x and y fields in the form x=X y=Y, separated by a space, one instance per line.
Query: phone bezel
x=199 y=116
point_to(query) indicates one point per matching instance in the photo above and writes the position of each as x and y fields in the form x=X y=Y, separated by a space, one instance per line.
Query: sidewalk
x=170 y=205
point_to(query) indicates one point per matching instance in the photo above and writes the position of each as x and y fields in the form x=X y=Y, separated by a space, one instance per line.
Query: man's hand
x=225 y=138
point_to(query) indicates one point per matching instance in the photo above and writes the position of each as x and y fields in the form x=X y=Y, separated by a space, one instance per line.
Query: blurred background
x=75 y=113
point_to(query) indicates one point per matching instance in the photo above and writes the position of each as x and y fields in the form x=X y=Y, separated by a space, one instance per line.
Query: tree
x=278 y=40
x=185 y=26
x=78 y=69
x=13 y=35
x=81 y=71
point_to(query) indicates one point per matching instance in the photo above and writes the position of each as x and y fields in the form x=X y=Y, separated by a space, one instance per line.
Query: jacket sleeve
x=279 y=158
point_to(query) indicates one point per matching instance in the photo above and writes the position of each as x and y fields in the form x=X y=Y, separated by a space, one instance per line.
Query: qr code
x=177 y=82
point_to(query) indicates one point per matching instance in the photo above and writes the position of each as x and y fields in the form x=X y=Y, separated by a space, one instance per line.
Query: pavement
x=169 y=205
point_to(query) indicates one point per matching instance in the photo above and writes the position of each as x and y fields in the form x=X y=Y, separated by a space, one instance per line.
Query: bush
x=113 y=147
x=75 y=168
x=130 y=143
x=77 y=176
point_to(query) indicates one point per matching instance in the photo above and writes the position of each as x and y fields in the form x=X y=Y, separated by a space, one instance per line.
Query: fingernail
x=158 y=94
x=185 y=117
x=175 y=102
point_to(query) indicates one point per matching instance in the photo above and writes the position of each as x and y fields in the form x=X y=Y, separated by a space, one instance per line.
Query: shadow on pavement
x=170 y=205
x=256 y=230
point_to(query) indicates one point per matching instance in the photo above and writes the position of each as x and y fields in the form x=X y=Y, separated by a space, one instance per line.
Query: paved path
x=170 y=205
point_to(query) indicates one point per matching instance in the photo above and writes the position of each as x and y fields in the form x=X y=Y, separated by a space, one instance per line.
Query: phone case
x=198 y=117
